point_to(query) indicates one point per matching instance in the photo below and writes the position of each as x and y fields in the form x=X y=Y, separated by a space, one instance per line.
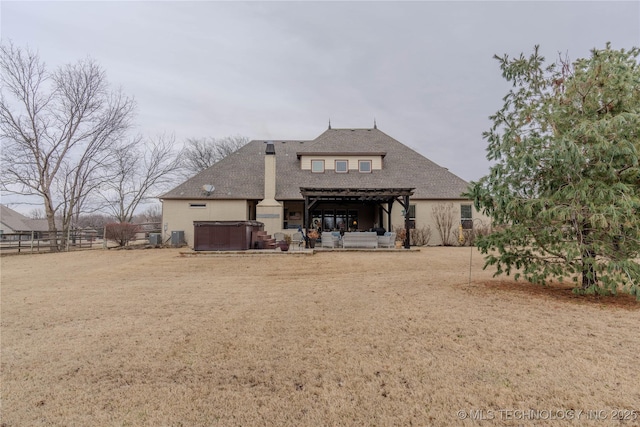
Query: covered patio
x=380 y=199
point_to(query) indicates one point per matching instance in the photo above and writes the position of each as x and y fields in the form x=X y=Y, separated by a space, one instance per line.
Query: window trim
x=346 y=163
x=317 y=160
x=361 y=162
x=466 y=223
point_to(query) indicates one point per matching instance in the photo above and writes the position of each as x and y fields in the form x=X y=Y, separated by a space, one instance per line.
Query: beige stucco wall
x=425 y=217
x=179 y=214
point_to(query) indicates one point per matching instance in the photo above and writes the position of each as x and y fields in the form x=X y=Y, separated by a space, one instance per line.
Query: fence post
x=32 y=241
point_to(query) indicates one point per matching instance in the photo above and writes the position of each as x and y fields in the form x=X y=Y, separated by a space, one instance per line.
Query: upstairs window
x=364 y=166
x=342 y=166
x=317 y=166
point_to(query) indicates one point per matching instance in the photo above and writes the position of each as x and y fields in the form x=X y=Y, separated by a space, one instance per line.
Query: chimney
x=270 y=172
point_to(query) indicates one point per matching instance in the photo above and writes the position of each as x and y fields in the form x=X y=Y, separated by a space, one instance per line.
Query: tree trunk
x=589 y=276
x=53 y=231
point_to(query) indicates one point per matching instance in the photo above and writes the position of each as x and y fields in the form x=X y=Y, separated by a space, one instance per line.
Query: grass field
x=149 y=338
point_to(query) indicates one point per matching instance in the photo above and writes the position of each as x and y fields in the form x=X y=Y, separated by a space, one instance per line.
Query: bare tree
x=37 y=213
x=97 y=221
x=444 y=215
x=152 y=213
x=54 y=129
x=200 y=153
x=138 y=169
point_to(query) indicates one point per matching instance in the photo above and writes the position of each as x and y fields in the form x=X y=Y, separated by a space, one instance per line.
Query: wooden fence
x=39 y=241
x=36 y=242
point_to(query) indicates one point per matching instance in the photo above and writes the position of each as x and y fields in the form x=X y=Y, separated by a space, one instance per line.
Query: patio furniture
x=297 y=240
x=330 y=240
x=388 y=240
x=367 y=239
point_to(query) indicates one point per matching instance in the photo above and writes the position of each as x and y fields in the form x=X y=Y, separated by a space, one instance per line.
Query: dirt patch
x=564 y=293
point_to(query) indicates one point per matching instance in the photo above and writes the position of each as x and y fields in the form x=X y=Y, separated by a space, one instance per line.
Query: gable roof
x=241 y=174
x=18 y=222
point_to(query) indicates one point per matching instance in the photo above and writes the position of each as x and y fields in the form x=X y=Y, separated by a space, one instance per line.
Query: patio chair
x=330 y=240
x=387 y=241
x=297 y=239
x=278 y=236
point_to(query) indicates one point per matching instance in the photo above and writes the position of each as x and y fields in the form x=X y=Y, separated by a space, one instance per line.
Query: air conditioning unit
x=155 y=239
x=177 y=238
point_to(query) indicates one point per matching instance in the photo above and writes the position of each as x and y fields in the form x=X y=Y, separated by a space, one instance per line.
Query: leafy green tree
x=565 y=185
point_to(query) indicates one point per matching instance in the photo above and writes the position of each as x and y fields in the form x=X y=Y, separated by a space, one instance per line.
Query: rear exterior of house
x=345 y=179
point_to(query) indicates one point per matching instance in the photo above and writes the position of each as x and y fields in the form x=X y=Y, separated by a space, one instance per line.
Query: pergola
x=383 y=197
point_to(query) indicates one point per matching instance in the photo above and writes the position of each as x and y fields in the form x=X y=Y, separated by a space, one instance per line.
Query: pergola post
x=306 y=213
x=407 y=224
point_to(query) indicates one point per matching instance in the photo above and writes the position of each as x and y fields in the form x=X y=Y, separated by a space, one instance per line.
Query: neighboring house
x=16 y=224
x=344 y=179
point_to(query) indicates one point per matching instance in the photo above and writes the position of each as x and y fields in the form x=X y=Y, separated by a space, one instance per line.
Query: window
x=197 y=205
x=342 y=166
x=329 y=219
x=412 y=211
x=317 y=166
x=466 y=218
x=412 y=216
x=364 y=166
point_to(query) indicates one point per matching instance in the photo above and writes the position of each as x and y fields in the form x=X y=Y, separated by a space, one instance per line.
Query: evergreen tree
x=564 y=189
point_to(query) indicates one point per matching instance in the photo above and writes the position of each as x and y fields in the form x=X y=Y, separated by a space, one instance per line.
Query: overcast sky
x=281 y=70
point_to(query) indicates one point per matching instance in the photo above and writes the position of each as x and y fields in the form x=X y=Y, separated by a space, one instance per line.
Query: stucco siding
x=178 y=215
x=424 y=217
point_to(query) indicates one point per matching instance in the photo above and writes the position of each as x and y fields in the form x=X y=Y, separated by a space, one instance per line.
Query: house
x=349 y=179
x=14 y=225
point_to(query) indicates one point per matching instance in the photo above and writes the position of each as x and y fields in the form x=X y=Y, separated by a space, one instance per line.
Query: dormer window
x=364 y=166
x=317 y=166
x=342 y=166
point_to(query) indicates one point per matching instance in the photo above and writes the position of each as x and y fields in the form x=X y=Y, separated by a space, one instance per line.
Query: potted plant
x=284 y=243
x=313 y=235
x=401 y=234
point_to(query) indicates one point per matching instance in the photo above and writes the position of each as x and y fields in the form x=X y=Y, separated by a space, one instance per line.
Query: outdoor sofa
x=365 y=239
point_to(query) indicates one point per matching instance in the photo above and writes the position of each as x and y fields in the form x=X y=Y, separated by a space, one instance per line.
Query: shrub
x=419 y=236
x=445 y=217
x=400 y=233
x=121 y=233
x=470 y=236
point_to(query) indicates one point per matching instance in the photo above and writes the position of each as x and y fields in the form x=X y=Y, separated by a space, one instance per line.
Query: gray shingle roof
x=19 y=223
x=241 y=174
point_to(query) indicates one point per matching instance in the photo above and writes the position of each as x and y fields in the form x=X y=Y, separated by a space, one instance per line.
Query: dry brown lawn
x=149 y=338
